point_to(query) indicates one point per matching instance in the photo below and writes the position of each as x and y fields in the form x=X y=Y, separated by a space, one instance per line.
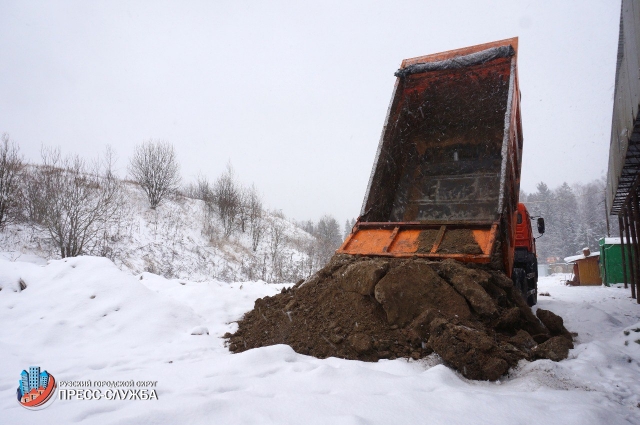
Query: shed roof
x=575 y=258
x=614 y=241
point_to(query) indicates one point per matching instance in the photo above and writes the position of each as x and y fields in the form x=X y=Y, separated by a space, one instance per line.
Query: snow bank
x=83 y=319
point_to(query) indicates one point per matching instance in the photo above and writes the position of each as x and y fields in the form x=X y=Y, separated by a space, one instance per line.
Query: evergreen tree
x=540 y=204
x=592 y=208
x=567 y=224
x=574 y=217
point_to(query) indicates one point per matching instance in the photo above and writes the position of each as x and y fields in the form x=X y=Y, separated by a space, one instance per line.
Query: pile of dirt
x=380 y=308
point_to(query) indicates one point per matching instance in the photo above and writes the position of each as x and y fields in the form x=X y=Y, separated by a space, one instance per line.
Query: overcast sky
x=293 y=93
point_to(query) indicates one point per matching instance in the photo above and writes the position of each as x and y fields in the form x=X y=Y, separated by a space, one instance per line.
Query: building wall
x=34 y=376
x=44 y=379
x=626 y=100
x=24 y=382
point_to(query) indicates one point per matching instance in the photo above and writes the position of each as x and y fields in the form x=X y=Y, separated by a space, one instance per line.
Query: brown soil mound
x=378 y=308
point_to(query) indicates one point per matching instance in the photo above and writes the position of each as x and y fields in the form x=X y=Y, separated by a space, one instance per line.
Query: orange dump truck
x=446 y=177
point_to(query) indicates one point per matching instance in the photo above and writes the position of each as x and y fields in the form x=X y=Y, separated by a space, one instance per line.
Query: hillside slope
x=172 y=241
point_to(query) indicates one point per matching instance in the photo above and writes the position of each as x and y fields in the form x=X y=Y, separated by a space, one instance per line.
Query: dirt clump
x=554 y=323
x=469 y=350
x=371 y=308
x=556 y=349
x=362 y=276
x=468 y=282
x=408 y=290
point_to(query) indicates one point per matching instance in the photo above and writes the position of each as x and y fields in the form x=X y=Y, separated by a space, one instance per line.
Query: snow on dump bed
x=84 y=319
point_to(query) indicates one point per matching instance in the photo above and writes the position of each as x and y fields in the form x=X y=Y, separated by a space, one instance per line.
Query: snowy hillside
x=172 y=241
x=84 y=319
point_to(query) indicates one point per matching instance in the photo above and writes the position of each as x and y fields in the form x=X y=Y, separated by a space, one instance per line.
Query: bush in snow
x=227 y=195
x=155 y=168
x=76 y=203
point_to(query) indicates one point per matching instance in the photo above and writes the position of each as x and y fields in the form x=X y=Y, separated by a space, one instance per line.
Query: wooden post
x=636 y=228
x=629 y=249
x=632 y=269
x=622 y=253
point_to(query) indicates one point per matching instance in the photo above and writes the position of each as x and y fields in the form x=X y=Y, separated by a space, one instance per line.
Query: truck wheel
x=519 y=277
x=532 y=284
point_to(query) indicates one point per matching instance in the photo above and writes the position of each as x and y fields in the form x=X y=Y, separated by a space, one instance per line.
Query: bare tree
x=308 y=226
x=244 y=211
x=202 y=190
x=310 y=248
x=277 y=236
x=328 y=233
x=33 y=195
x=190 y=191
x=80 y=202
x=155 y=168
x=205 y=192
x=256 y=216
x=10 y=168
x=227 y=195
x=277 y=241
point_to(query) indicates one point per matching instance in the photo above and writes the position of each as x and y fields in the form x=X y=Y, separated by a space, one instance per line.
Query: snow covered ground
x=85 y=319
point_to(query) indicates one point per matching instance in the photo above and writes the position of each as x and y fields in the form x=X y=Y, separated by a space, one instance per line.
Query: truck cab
x=525 y=260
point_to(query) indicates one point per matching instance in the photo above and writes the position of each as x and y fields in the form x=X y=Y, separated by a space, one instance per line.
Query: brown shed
x=586 y=268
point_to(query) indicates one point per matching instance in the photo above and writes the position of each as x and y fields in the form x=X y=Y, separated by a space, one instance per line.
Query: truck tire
x=533 y=282
x=519 y=277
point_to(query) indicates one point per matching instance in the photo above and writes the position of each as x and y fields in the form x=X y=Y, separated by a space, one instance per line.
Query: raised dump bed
x=446 y=177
